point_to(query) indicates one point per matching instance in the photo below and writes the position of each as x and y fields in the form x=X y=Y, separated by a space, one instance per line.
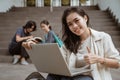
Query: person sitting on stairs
x=15 y=47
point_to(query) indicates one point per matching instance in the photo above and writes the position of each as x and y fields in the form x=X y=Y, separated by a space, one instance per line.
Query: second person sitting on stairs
x=15 y=47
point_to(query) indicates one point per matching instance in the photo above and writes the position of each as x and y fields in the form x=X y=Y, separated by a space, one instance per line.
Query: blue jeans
x=58 y=77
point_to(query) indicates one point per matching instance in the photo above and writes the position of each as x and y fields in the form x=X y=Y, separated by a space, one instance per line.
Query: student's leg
x=24 y=56
x=24 y=53
x=15 y=50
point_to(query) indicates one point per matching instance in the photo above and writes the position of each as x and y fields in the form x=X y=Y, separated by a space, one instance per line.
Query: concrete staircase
x=102 y=21
x=17 y=17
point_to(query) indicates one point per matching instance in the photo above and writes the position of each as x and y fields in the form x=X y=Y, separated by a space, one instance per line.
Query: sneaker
x=15 y=59
x=24 y=62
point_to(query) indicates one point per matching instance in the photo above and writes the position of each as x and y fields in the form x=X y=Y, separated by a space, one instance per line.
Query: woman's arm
x=19 y=35
x=92 y=58
x=112 y=63
x=19 y=38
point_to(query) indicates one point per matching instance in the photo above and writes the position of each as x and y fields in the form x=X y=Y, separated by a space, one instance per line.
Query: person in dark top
x=15 y=47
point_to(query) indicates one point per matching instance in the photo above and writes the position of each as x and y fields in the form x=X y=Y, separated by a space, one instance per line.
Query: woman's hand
x=27 y=45
x=90 y=58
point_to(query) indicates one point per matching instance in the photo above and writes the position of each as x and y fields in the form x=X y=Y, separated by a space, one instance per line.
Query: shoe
x=24 y=62
x=15 y=59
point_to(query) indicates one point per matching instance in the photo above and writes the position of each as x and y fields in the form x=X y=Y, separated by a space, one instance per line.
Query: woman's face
x=44 y=27
x=30 y=29
x=76 y=23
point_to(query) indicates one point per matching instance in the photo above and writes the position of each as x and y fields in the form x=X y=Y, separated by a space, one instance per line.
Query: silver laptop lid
x=48 y=58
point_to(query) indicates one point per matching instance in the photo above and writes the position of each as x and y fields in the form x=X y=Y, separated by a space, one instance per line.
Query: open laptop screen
x=49 y=58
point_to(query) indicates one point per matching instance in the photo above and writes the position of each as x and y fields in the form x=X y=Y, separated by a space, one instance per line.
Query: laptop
x=48 y=58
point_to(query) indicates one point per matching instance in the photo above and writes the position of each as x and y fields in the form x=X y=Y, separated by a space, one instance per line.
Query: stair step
x=9 y=59
x=100 y=17
x=97 y=11
x=98 y=14
x=11 y=25
x=92 y=20
x=21 y=9
x=116 y=43
x=6 y=38
x=7 y=33
x=116 y=38
x=107 y=28
x=103 y=24
x=113 y=33
x=8 y=29
x=4 y=44
x=6 y=59
x=4 y=51
x=90 y=7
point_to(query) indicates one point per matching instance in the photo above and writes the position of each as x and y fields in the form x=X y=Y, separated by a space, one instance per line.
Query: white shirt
x=101 y=44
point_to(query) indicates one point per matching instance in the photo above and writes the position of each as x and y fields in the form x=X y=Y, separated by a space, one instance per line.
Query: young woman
x=21 y=35
x=86 y=46
x=49 y=36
